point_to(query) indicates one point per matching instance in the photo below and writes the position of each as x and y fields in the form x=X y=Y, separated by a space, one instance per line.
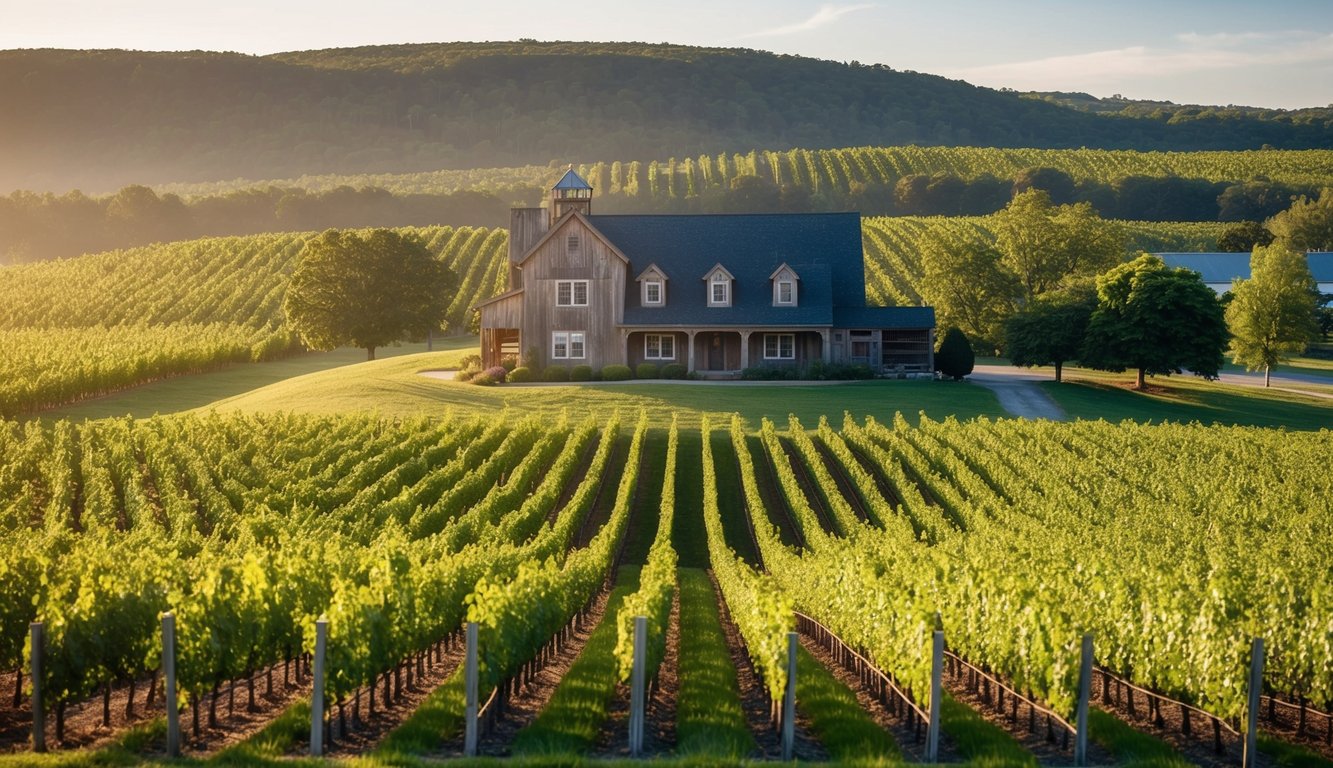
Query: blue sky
x=1277 y=53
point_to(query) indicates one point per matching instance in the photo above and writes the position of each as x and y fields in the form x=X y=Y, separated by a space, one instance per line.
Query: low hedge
x=646 y=371
x=674 y=371
x=555 y=373
x=580 y=373
x=616 y=373
x=521 y=375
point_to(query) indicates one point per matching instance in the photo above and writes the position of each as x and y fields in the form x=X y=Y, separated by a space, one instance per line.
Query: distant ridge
x=98 y=120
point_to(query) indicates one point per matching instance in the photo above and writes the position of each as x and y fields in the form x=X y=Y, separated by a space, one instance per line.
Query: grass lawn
x=393 y=387
x=1094 y=394
x=183 y=393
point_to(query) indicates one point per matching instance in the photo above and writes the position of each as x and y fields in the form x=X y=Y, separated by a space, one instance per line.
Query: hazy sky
x=1275 y=53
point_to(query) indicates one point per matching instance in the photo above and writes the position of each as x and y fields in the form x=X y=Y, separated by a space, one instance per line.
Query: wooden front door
x=717 y=353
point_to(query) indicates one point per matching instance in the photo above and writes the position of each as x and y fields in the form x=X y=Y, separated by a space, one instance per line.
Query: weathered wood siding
x=505 y=313
x=605 y=272
x=526 y=227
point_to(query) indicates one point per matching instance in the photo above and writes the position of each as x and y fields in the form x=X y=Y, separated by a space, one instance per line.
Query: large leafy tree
x=1042 y=244
x=1307 y=225
x=1050 y=330
x=366 y=290
x=1272 y=315
x=1155 y=320
x=968 y=287
x=1038 y=248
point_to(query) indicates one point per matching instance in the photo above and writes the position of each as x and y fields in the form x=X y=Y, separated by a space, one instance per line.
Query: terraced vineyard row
x=1020 y=536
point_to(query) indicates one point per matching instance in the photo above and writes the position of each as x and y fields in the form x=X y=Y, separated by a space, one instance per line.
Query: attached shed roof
x=823 y=248
x=1222 y=268
x=884 y=317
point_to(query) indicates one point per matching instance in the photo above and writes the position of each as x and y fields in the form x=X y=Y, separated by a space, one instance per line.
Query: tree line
x=38 y=227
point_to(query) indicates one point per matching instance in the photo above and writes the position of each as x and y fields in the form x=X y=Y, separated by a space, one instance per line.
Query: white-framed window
x=659 y=346
x=779 y=346
x=719 y=291
x=571 y=293
x=652 y=293
x=785 y=292
x=567 y=345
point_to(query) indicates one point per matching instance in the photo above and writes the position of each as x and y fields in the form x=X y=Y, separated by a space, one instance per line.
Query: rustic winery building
x=716 y=293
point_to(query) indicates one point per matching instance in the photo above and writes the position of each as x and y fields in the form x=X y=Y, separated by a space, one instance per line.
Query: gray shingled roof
x=824 y=249
x=1222 y=268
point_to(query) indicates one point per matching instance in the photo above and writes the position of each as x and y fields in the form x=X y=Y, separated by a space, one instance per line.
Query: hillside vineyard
x=250 y=527
x=179 y=308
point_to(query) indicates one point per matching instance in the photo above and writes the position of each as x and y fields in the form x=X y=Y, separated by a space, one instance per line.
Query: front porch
x=725 y=352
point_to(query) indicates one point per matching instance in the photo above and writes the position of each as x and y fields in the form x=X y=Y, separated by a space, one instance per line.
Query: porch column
x=745 y=349
x=825 y=352
x=689 y=363
x=624 y=346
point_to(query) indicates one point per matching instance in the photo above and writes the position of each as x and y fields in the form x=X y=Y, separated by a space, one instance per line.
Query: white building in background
x=1219 y=269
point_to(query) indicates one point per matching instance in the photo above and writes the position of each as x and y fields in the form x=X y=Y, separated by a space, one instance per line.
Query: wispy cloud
x=1193 y=53
x=826 y=15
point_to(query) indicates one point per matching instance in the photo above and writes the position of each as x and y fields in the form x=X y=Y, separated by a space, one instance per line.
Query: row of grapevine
x=518 y=613
x=657 y=580
x=762 y=612
x=839 y=581
x=836 y=169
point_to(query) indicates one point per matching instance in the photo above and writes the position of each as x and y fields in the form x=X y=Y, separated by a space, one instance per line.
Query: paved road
x=1018 y=393
x=1297 y=383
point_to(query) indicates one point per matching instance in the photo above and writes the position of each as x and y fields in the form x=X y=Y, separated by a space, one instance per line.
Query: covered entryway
x=717 y=351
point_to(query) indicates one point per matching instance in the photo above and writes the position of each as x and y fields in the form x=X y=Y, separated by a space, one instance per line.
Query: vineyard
x=832 y=170
x=1013 y=537
x=83 y=327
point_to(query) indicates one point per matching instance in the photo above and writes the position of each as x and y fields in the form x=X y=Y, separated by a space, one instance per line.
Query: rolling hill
x=97 y=120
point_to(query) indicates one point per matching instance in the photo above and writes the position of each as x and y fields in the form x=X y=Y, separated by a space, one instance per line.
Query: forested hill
x=97 y=120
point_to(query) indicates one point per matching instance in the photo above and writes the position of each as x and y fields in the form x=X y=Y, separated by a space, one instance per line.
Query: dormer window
x=652 y=293
x=652 y=287
x=720 y=291
x=784 y=286
x=718 y=282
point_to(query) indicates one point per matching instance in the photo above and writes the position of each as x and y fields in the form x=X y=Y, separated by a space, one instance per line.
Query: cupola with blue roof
x=571 y=193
